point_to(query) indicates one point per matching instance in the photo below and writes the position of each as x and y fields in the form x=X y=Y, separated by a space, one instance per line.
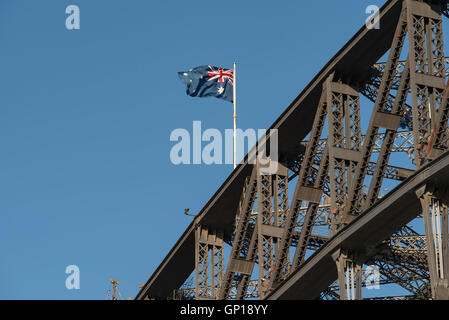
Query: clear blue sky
x=86 y=115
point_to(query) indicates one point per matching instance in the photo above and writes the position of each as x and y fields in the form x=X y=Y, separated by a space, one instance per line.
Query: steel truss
x=208 y=255
x=332 y=188
x=434 y=203
x=424 y=73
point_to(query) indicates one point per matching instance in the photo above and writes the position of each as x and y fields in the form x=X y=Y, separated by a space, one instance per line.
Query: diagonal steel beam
x=304 y=190
x=238 y=263
x=384 y=115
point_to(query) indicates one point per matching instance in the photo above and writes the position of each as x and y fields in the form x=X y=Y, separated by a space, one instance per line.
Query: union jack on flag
x=220 y=74
x=209 y=81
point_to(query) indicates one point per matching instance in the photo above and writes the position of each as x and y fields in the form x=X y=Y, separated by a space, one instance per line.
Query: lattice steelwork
x=435 y=213
x=308 y=189
x=344 y=143
x=243 y=252
x=386 y=114
x=340 y=177
x=209 y=262
x=189 y=293
x=427 y=73
x=272 y=204
x=403 y=142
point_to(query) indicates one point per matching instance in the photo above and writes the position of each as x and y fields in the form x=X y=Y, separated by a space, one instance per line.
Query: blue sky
x=86 y=116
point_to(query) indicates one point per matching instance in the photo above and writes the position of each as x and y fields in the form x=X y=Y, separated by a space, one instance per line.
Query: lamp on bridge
x=186 y=212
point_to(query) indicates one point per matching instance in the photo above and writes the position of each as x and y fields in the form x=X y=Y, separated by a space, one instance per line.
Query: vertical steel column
x=344 y=144
x=349 y=276
x=271 y=210
x=435 y=214
x=427 y=73
x=208 y=262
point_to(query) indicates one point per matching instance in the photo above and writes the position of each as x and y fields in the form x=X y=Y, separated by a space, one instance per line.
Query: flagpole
x=235 y=116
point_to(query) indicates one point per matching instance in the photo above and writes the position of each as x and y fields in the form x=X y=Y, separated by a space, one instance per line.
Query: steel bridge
x=338 y=222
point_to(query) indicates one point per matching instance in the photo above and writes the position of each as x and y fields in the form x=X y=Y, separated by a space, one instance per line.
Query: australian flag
x=209 y=81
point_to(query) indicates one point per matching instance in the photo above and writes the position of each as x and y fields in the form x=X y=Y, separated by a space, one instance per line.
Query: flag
x=209 y=81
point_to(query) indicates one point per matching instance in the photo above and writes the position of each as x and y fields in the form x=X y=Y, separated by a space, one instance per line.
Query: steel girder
x=349 y=277
x=344 y=143
x=208 y=256
x=345 y=159
x=427 y=75
x=340 y=105
x=441 y=136
x=409 y=244
x=333 y=291
x=343 y=179
x=242 y=257
x=403 y=142
x=257 y=234
x=403 y=261
x=309 y=189
x=424 y=73
x=188 y=293
x=386 y=114
x=272 y=208
x=434 y=204
x=380 y=67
